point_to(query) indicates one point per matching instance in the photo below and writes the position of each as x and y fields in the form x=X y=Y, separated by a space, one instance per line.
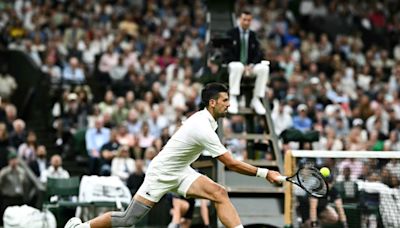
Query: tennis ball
x=325 y=171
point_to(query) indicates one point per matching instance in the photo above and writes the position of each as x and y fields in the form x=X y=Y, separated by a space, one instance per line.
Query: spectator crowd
x=126 y=73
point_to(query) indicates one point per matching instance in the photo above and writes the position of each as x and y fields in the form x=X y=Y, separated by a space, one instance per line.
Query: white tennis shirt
x=196 y=134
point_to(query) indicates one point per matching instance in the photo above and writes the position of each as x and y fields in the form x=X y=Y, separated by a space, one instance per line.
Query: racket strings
x=313 y=182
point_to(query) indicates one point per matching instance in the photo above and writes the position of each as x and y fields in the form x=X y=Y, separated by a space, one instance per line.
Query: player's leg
x=236 y=70
x=136 y=210
x=204 y=212
x=204 y=187
x=329 y=216
x=179 y=208
x=148 y=194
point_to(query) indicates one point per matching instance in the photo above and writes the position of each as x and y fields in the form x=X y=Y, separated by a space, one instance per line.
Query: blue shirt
x=302 y=124
x=95 y=138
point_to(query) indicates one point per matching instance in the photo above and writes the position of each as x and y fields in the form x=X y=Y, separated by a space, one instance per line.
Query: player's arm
x=247 y=169
x=339 y=207
x=313 y=211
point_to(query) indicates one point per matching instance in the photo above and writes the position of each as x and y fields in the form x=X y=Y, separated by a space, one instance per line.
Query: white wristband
x=262 y=172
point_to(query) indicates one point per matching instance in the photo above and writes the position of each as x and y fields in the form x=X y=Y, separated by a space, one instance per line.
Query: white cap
x=302 y=107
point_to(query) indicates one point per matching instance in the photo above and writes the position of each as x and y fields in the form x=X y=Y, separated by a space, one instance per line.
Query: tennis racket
x=309 y=179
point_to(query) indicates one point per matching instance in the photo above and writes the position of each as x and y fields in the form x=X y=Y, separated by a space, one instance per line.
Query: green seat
x=66 y=192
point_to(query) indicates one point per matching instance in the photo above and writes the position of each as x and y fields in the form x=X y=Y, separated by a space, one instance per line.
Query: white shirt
x=122 y=167
x=196 y=134
x=52 y=173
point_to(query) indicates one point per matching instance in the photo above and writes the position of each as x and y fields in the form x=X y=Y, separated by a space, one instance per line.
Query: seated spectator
x=301 y=121
x=95 y=138
x=108 y=60
x=120 y=113
x=107 y=105
x=149 y=154
x=39 y=164
x=136 y=178
x=53 y=71
x=134 y=123
x=145 y=139
x=7 y=83
x=244 y=57
x=124 y=137
x=55 y=170
x=281 y=117
x=27 y=150
x=108 y=152
x=13 y=184
x=123 y=165
x=10 y=116
x=355 y=165
x=73 y=73
x=18 y=135
x=394 y=168
x=118 y=72
x=4 y=144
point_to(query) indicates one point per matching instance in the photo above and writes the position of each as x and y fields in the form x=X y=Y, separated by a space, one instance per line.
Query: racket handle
x=282 y=179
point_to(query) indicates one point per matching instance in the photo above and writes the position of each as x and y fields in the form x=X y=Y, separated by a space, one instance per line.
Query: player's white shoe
x=73 y=222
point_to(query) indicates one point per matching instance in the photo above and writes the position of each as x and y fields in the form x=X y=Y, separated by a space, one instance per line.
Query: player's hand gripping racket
x=309 y=179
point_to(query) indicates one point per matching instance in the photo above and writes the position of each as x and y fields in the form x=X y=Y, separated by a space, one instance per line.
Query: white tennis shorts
x=156 y=183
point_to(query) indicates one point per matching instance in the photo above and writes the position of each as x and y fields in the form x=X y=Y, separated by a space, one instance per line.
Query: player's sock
x=84 y=225
x=240 y=226
x=173 y=225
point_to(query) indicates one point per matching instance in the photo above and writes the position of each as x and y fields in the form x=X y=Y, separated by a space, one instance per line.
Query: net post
x=288 y=167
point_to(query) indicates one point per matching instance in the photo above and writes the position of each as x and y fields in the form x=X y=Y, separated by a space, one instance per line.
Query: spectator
x=108 y=152
x=120 y=113
x=39 y=164
x=123 y=165
x=136 y=178
x=18 y=135
x=124 y=137
x=7 y=83
x=4 y=144
x=282 y=119
x=74 y=34
x=107 y=61
x=95 y=138
x=244 y=58
x=108 y=104
x=27 y=150
x=53 y=71
x=11 y=116
x=326 y=214
x=13 y=184
x=145 y=139
x=55 y=170
x=149 y=154
x=301 y=121
x=73 y=72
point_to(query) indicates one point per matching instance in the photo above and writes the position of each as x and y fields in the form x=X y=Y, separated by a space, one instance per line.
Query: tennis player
x=170 y=170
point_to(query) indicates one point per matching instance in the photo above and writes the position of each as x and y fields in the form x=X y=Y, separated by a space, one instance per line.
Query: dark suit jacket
x=254 y=53
x=34 y=165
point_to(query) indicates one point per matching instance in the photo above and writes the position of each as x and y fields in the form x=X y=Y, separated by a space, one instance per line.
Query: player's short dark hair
x=247 y=12
x=211 y=91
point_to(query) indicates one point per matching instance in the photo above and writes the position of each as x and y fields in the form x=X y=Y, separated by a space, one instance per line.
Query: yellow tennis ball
x=325 y=171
